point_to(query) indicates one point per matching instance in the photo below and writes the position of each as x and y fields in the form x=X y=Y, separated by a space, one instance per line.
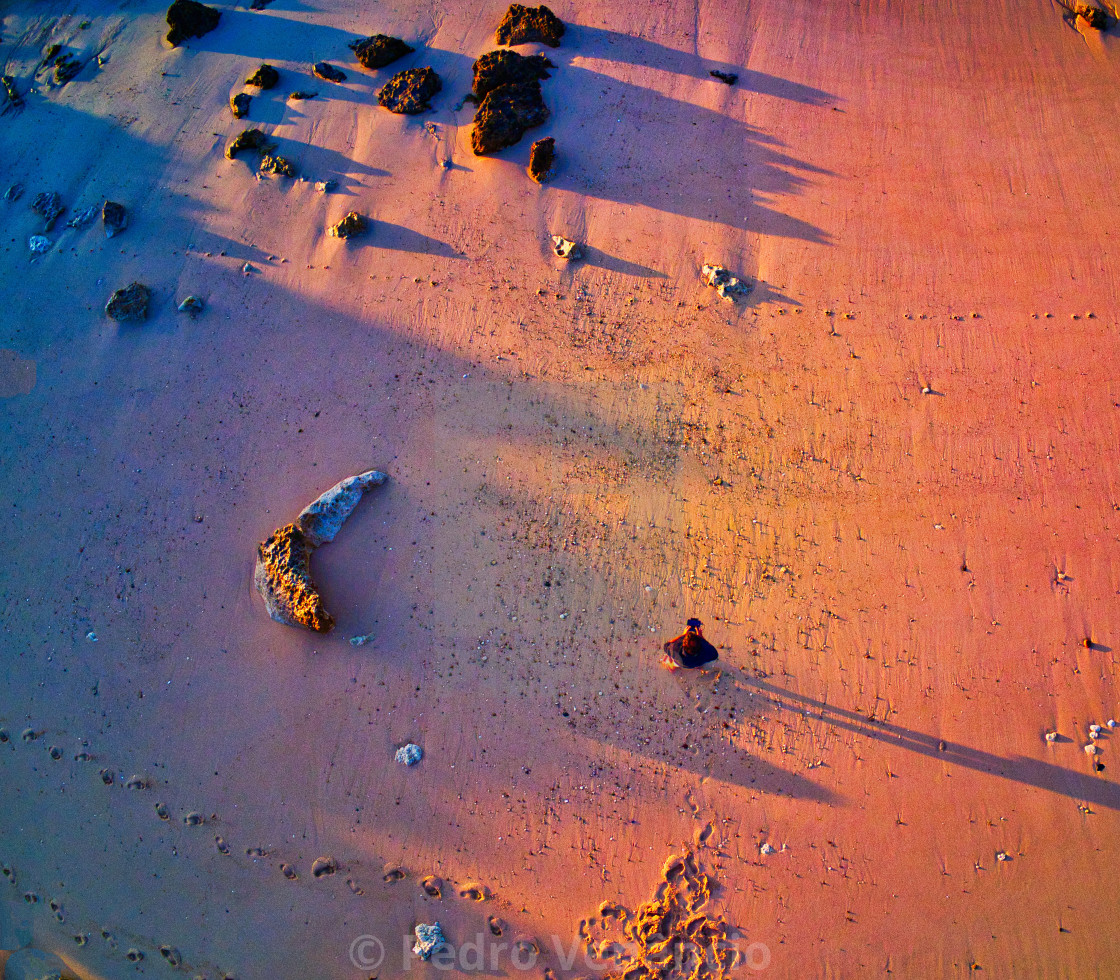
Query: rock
x=189 y=18
x=192 y=305
x=66 y=66
x=409 y=755
x=325 y=186
x=13 y=193
x=280 y=166
x=408 y=92
x=541 y=158
x=299 y=94
x=83 y=217
x=505 y=114
x=130 y=304
x=283 y=569
x=33 y=964
x=39 y=244
x=13 y=97
x=566 y=249
x=1002 y=856
x=727 y=77
x=497 y=68
x=724 y=283
x=249 y=139
x=323 y=866
x=379 y=50
x=239 y=104
x=328 y=72
x=1095 y=17
x=114 y=217
x=264 y=77
x=353 y=224
x=522 y=25
x=49 y=205
x=429 y=938
x=1111 y=723
x=1092 y=749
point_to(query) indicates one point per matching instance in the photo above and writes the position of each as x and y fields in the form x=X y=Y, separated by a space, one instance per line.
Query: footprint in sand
x=6 y=870
x=81 y=938
x=354 y=886
x=134 y=955
x=433 y=886
x=56 y=908
x=109 y=938
x=83 y=757
x=527 y=947
x=5 y=735
x=475 y=892
x=256 y=852
x=193 y=819
x=171 y=954
x=106 y=776
x=31 y=898
x=704 y=834
x=612 y=910
x=29 y=735
x=393 y=873
x=323 y=866
x=289 y=872
x=221 y=845
x=55 y=752
x=497 y=926
x=162 y=812
x=136 y=782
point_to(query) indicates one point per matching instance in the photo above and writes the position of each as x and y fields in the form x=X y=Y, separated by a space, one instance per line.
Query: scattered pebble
x=39 y=244
x=1051 y=736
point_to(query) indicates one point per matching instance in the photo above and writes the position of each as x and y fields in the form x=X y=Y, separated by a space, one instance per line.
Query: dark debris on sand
x=189 y=18
x=114 y=217
x=727 y=77
x=14 y=100
x=410 y=91
x=379 y=50
x=130 y=304
x=524 y=25
x=49 y=205
x=264 y=77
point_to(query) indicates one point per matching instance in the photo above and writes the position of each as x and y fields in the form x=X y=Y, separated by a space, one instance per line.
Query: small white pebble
x=1002 y=856
x=91 y=636
x=1051 y=736
x=1095 y=728
x=1111 y=722
x=1092 y=749
x=767 y=849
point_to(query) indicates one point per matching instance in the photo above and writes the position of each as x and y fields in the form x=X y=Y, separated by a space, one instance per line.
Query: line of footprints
x=321 y=867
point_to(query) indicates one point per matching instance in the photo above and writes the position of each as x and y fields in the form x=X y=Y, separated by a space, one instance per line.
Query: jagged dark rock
x=379 y=50
x=239 y=104
x=189 y=18
x=497 y=68
x=280 y=166
x=505 y=114
x=299 y=95
x=522 y=25
x=541 y=158
x=249 y=139
x=264 y=77
x=326 y=71
x=408 y=92
x=49 y=205
x=350 y=226
x=130 y=304
x=114 y=217
x=283 y=570
x=727 y=77
x=1095 y=17
x=10 y=92
x=66 y=66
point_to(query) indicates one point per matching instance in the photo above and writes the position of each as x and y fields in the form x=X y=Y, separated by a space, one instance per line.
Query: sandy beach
x=886 y=480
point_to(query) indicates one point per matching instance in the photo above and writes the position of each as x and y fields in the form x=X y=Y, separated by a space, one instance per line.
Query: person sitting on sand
x=690 y=649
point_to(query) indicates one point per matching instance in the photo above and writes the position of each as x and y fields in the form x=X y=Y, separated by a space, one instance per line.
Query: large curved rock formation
x=523 y=25
x=283 y=572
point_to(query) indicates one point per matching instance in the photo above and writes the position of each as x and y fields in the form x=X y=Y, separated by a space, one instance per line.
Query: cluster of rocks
x=724 y=283
x=507 y=86
x=1095 y=17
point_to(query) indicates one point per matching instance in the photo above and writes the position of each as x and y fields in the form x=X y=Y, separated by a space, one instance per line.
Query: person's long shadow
x=598 y=42
x=1084 y=787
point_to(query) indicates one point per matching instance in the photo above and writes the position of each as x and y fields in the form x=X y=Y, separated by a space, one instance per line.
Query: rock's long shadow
x=402 y=239
x=1094 y=790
